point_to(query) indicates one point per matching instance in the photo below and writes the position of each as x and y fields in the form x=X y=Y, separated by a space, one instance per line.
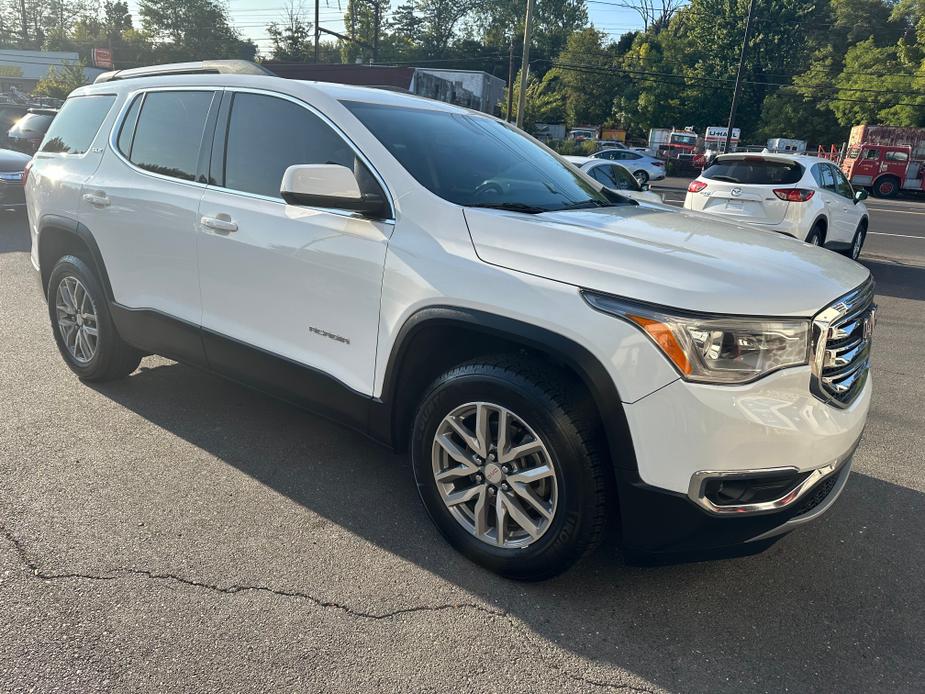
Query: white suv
x=808 y=198
x=554 y=356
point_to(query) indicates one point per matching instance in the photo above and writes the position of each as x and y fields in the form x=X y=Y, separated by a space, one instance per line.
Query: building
x=22 y=70
x=470 y=88
x=488 y=89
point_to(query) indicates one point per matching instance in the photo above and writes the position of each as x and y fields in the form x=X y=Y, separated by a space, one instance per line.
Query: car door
x=142 y=202
x=831 y=201
x=848 y=214
x=282 y=283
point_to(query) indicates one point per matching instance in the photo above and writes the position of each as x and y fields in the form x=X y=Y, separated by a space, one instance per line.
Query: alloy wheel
x=77 y=319
x=858 y=243
x=495 y=475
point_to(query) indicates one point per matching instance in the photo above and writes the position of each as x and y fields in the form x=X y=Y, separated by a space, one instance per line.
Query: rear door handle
x=97 y=199
x=221 y=223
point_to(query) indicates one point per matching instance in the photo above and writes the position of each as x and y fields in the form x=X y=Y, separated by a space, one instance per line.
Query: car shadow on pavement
x=14 y=234
x=897 y=279
x=836 y=606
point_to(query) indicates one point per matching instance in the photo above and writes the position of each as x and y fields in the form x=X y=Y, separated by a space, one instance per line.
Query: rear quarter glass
x=73 y=130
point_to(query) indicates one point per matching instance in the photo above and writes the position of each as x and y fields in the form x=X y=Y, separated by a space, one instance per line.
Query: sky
x=252 y=16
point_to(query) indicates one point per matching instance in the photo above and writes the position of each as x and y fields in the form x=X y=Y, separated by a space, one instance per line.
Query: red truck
x=886 y=159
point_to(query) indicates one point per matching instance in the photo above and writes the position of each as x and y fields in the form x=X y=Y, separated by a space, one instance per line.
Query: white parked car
x=643 y=167
x=554 y=356
x=616 y=177
x=806 y=197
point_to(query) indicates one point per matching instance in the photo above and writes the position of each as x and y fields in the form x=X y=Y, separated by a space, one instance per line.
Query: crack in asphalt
x=120 y=573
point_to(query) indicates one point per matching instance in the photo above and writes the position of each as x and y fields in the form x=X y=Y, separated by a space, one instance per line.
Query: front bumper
x=661 y=524
x=686 y=434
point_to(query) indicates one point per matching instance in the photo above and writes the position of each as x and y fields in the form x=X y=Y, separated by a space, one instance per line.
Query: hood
x=661 y=255
x=12 y=161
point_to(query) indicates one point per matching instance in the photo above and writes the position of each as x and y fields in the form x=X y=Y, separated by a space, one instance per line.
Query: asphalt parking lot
x=174 y=532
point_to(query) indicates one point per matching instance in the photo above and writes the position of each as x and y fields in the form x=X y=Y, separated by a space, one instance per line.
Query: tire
x=575 y=496
x=857 y=243
x=816 y=236
x=108 y=357
x=886 y=187
x=642 y=177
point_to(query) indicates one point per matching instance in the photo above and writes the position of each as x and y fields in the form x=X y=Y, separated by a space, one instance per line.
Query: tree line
x=813 y=67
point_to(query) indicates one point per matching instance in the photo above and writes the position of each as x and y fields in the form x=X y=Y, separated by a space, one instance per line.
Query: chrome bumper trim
x=697 y=485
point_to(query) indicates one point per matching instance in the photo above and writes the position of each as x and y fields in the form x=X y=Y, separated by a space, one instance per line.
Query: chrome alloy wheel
x=495 y=475
x=77 y=319
x=858 y=243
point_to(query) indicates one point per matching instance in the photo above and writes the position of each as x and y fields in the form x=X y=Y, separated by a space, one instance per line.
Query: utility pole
x=317 y=30
x=525 y=65
x=738 y=84
x=510 y=80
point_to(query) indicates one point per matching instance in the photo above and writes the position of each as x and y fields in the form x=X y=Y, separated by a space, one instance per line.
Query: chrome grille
x=842 y=335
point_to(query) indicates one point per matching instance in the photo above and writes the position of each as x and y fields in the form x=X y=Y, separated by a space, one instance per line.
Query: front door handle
x=97 y=199
x=221 y=223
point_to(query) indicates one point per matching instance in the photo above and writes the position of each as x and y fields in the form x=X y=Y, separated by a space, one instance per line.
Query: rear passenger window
x=267 y=135
x=169 y=133
x=897 y=156
x=73 y=130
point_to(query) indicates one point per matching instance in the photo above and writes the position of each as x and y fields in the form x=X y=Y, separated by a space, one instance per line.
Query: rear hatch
x=742 y=187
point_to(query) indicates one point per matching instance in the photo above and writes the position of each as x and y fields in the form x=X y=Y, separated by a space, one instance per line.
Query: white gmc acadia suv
x=554 y=356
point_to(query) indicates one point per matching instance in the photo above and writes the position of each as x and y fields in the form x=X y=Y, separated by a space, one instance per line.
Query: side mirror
x=329 y=185
x=860 y=195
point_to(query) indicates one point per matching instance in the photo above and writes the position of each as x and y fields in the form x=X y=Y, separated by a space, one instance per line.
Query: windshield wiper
x=511 y=207
x=726 y=179
x=587 y=204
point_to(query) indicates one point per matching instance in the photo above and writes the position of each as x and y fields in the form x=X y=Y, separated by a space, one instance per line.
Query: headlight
x=715 y=349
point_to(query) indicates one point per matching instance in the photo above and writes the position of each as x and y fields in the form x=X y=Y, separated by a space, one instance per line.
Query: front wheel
x=508 y=468
x=82 y=324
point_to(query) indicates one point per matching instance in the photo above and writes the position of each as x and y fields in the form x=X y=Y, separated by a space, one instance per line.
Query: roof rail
x=200 y=67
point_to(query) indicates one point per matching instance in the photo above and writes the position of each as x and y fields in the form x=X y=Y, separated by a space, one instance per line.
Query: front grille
x=842 y=335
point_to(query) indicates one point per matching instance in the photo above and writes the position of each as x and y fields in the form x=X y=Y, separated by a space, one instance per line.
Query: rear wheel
x=816 y=235
x=642 y=177
x=508 y=468
x=82 y=324
x=886 y=187
x=857 y=243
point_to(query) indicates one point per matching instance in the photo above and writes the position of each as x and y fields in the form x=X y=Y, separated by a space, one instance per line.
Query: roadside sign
x=102 y=57
x=715 y=132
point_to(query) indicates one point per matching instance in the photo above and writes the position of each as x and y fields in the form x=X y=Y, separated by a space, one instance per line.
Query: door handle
x=98 y=199
x=221 y=223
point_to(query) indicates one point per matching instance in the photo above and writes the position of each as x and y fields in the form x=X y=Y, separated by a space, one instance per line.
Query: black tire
x=886 y=187
x=112 y=357
x=547 y=403
x=857 y=242
x=816 y=235
x=642 y=177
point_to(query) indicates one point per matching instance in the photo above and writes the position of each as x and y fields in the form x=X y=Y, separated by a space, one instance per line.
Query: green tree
x=292 y=39
x=58 y=83
x=365 y=23
x=587 y=77
x=192 y=30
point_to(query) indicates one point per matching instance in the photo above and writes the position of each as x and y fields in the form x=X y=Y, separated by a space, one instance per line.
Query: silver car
x=642 y=166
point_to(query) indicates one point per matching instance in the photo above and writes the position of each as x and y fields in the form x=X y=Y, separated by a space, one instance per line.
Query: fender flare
x=80 y=232
x=591 y=371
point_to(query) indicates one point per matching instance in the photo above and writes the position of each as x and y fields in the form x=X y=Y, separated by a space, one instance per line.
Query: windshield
x=477 y=161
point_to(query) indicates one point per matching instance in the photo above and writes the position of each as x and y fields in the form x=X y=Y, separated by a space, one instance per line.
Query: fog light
x=732 y=491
